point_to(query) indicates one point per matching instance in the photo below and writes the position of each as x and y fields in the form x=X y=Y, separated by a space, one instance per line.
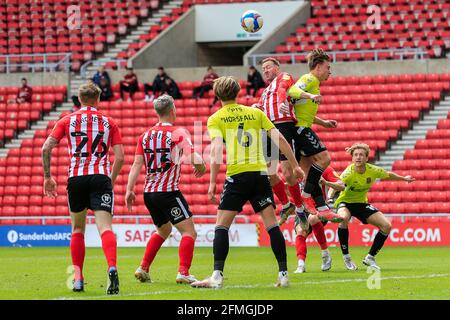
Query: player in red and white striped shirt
x=90 y=134
x=276 y=104
x=161 y=149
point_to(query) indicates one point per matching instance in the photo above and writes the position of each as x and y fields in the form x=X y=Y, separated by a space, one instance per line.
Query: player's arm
x=396 y=177
x=337 y=186
x=199 y=164
x=283 y=87
x=285 y=148
x=119 y=159
x=215 y=162
x=296 y=92
x=325 y=123
x=130 y=196
x=49 y=182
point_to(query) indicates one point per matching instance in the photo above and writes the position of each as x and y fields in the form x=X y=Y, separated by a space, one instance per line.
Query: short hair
x=163 y=104
x=274 y=60
x=161 y=68
x=24 y=79
x=89 y=92
x=226 y=88
x=356 y=146
x=209 y=68
x=128 y=68
x=316 y=57
x=252 y=67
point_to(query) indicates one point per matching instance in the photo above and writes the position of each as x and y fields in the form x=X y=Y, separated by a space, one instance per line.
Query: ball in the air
x=251 y=21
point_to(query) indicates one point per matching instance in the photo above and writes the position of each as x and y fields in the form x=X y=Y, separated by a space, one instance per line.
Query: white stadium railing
x=401 y=54
x=97 y=63
x=48 y=62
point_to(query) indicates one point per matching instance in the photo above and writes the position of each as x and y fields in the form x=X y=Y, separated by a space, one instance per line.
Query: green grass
x=407 y=273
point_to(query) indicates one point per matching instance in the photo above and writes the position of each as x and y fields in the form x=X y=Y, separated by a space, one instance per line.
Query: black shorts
x=289 y=132
x=359 y=210
x=247 y=186
x=90 y=192
x=167 y=206
x=307 y=143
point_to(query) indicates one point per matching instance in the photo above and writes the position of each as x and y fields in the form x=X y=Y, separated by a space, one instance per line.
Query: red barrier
x=402 y=234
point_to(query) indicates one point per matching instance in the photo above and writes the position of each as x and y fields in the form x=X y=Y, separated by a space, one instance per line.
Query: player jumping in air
x=240 y=128
x=305 y=96
x=161 y=148
x=329 y=180
x=358 y=179
x=275 y=104
x=89 y=134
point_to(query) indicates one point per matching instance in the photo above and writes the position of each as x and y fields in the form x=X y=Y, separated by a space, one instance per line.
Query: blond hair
x=226 y=88
x=89 y=93
x=316 y=57
x=358 y=145
x=163 y=104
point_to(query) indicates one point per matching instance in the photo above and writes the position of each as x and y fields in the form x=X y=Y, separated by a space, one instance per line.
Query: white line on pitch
x=137 y=294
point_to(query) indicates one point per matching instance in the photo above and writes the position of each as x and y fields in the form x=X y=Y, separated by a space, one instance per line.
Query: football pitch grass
x=407 y=273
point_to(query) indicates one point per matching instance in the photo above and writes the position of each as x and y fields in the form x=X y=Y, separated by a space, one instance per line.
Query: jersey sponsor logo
x=368 y=180
x=302 y=85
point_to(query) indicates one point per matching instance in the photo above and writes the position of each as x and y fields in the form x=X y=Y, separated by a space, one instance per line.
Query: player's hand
x=317 y=98
x=255 y=105
x=212 y=193
x=284 y=107
x=130 y=198
x=322 y=181
x=199 y=170
x=330 y=123
x=50 y=187
x=298 y=172
x=409 y=179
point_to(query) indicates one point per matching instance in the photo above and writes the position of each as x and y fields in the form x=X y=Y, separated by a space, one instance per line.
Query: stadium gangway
x=416 y=53
x=46 y=65
x=91 y=219
x=97 y=63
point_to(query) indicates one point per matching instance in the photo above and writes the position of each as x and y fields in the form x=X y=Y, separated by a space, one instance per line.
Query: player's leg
x=319 y=233
x=77 y=247
x=300 y=245
x=294 y=190
x=325 y=213
x=153 y=245
x=221 y=247
x=378 y=220
x=343 y=235
x=277 y=243
x=186 y=250
x=103 y=220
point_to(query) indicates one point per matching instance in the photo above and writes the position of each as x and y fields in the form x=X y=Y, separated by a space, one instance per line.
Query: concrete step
x=395 y=152
x=414 y=137
x=430 y=122
x=402 y=147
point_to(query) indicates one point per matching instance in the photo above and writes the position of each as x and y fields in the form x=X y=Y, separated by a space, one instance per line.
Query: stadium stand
x=383 y=106
x=38 y=27
x=342 y=26
x=15 y=117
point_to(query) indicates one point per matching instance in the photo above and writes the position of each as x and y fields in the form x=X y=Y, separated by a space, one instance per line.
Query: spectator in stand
x=106 y=93
x=206 y=85
x=171 y=88
x=101 y=74
x=254 y=82
x=24 y=94
x=157 y=86
x=129 y=84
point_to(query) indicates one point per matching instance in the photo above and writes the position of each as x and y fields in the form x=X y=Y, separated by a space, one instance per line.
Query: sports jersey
x=328 y=175
x=357 y=185
x=274 y=95
x=305 y=109
x=162 y=147
x=89 y=134
x=241 y=128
